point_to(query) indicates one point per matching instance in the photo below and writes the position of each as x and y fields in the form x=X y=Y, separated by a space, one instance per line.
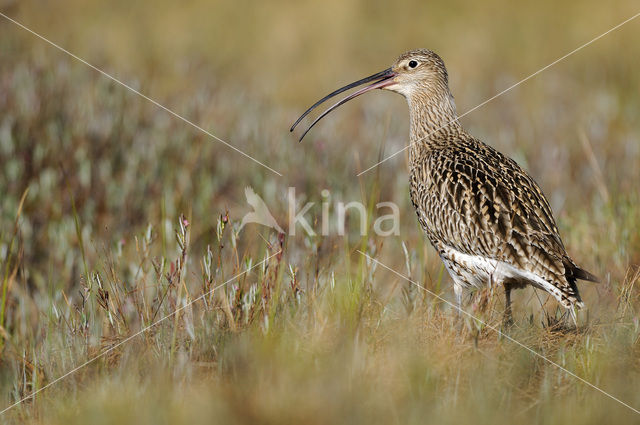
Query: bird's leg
x=508 y=318
x=457 y=289
x=574 y=315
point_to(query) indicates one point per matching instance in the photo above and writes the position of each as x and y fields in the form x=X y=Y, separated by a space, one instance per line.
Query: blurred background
x=108 y=172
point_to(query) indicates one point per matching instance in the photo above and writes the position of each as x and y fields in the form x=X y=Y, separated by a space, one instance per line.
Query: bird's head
x=416 y=73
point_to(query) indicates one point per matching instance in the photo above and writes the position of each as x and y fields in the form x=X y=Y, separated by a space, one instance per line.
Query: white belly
x=476 y=271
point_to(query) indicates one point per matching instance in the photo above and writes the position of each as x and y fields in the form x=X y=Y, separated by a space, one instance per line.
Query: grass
x=113 y=215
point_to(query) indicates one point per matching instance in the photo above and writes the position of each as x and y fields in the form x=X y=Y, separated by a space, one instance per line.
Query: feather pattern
x=486 y=217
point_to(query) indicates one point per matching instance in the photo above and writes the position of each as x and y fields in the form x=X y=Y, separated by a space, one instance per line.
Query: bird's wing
x=482 y=203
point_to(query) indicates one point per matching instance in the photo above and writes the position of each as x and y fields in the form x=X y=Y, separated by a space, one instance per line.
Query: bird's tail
x=573 y=272
x=582 y=274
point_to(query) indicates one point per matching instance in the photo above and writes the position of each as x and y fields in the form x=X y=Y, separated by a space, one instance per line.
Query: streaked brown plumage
x=486 y=217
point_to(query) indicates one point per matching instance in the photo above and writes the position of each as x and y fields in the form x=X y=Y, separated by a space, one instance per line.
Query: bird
x=485 y=216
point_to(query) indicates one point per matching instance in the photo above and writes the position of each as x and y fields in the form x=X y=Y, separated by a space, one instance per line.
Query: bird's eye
x=413 y=64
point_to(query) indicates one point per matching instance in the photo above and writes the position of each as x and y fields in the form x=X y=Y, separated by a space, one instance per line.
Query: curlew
x=485 y=216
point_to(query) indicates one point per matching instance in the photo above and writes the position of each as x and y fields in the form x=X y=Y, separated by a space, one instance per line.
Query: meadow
x=120 y=223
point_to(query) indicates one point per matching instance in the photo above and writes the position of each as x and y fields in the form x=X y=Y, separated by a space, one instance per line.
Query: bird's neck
x=434 y=122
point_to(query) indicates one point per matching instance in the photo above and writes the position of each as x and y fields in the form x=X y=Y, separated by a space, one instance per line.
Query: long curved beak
x=380 y=80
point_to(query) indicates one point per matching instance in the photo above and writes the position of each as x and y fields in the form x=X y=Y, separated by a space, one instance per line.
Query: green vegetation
x=114 y=214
